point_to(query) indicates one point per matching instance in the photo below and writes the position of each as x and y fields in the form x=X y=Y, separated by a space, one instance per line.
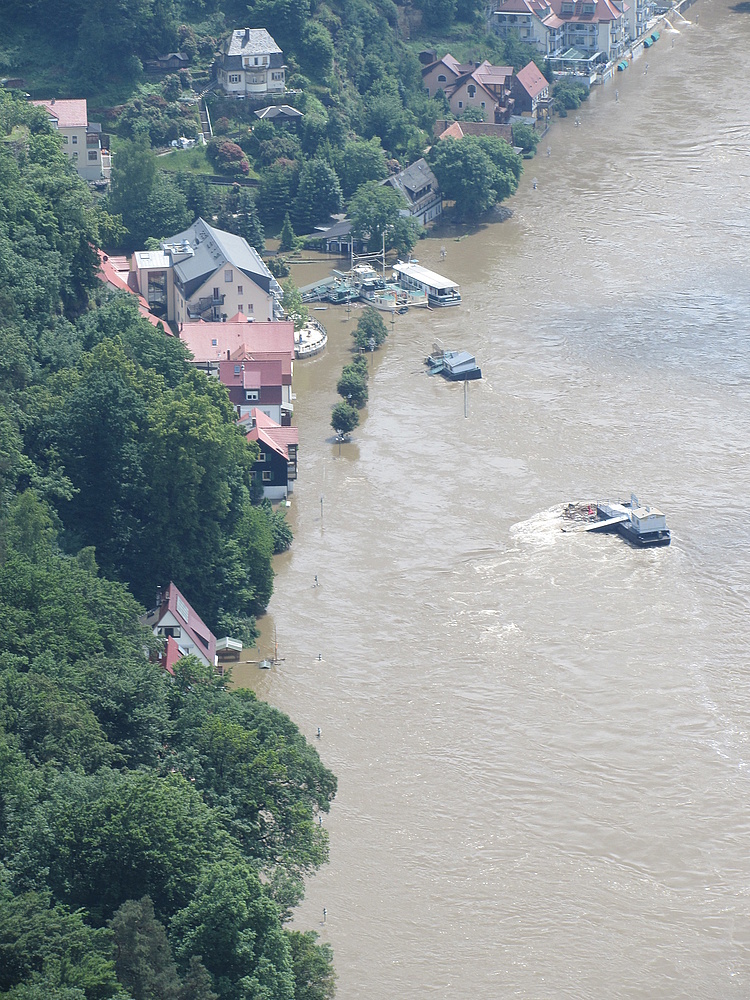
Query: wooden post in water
x=466 y=397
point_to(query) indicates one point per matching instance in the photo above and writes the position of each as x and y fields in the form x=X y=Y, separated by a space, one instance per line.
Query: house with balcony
x=205 y=273
x=250 y=64
x=83 y=141
x=420 y=191
x=472 y=85
x=276 y=467
x=578 y=37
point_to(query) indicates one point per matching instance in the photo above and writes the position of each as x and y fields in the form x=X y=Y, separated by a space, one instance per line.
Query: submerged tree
x=370 y=331
x=344 y=419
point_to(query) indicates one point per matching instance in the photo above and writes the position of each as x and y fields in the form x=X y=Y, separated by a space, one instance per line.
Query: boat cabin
x=440 y=291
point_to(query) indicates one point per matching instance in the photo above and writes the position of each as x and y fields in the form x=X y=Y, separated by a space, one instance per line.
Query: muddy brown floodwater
x=542 y=739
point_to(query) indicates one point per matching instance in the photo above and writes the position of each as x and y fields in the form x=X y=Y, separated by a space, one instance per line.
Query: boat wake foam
x=541 y=529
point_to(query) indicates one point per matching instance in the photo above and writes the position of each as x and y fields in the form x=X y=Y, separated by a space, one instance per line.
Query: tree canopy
x=155 y=831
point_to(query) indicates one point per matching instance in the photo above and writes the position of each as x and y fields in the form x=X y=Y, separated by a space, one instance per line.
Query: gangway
x=598 y=525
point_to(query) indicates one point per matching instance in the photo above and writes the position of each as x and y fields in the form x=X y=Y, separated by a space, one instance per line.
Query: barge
x=639 y=524
x=455 y=366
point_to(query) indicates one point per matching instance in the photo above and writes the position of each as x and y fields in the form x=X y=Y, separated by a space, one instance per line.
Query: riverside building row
x=576 y=36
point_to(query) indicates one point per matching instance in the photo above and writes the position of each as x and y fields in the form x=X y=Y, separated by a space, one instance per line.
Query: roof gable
x=532 y=79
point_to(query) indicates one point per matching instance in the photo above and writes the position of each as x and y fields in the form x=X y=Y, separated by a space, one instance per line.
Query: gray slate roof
x=412 y=180
x=251 y=42
x=214 y=249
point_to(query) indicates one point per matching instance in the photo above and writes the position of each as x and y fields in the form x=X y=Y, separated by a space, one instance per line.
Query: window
x=471 y=90
x=65 y=140
x=214 y=343
x=255 y=61
x=251 y=308
x=239 y=290
x=239 y=308
x=267 y=476
x=156 y=292
x=75 y=156
x=216 y=293
x=75 y=140
x=228 y=277
x=262 y=457
x=236 y=369
x=234 y=78
x=484 y=105
x=460 y=104
x=93 y=155
x=441 y=78
x=251 y=394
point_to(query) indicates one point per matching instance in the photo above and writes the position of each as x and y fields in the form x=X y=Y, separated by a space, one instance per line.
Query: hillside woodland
x=155 y=833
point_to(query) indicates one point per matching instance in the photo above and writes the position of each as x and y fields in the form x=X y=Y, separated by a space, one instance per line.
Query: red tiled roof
x=532 y=79
x=170 y=656
x=69 y=114
x=270 y=433
x=252 y=374
x=201 y=635
x=253 y=338
x=457 y=130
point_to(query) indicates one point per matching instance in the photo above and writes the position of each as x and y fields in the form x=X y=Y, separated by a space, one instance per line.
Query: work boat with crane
x=639 y=524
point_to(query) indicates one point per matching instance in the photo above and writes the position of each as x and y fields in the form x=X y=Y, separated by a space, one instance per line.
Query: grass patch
x=192 y=161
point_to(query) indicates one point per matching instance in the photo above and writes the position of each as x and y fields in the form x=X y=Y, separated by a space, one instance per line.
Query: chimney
x=52 y=101
x=228 y=354
x=158 y=598
x=247 y=34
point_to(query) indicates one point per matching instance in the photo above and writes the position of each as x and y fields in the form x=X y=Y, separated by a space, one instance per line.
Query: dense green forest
x=155 y=833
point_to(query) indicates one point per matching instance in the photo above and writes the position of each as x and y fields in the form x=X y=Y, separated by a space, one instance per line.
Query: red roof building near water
x=532 y=80
x=174 y=618
x=210 y=343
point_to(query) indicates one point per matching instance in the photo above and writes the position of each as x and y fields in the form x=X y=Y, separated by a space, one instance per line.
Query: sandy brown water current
x=541 y=739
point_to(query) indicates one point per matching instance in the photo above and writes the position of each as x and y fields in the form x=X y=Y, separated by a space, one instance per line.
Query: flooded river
x=543 y=739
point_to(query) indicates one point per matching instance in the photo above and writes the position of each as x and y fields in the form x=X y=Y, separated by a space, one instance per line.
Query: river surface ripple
x=541 y=739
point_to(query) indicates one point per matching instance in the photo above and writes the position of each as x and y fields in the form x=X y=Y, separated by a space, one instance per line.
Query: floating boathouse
x=440 y=291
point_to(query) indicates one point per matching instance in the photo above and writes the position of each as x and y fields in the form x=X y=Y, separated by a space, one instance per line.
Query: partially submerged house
x=259 y=384
x=578 y=37
x=531 y=88
x=482 y=86
x=420 y=190
x=276 y=467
